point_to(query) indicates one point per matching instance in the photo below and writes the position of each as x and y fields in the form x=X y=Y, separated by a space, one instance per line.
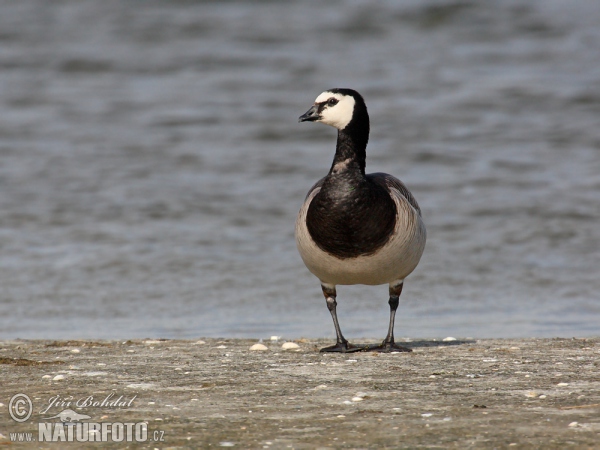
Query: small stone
x=531 y=394
x=140 y=386
x=45 y=377
x=75 y=350
x=449 y=339
x=290 y=346
x=200 y=342
x=357 y=399
x=562 y=384
x=542 y=396
x=347 y=402
x=58 y=378
x=341 y=416
x=426 y=415
x=573 y=424
x=226 y=444
x=221 y=346
x=259 y=347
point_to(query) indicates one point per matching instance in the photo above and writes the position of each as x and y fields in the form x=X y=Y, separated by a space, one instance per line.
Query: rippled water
x=151 y=164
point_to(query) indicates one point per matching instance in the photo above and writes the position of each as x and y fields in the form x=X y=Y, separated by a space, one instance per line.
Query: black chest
x=350 y=218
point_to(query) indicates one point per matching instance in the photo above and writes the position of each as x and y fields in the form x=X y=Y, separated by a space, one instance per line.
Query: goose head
x=335 y=107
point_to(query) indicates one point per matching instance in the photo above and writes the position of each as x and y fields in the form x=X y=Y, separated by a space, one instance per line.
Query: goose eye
x=332 y=101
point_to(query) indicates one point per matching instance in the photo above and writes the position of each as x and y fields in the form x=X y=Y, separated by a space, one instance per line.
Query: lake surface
x=152 y=164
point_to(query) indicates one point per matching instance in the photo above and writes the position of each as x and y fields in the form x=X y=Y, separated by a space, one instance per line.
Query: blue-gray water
x=151 y=164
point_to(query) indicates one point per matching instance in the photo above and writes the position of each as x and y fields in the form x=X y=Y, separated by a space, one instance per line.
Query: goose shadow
x=423 y=343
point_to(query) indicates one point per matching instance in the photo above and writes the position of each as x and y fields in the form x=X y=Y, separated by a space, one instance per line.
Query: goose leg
x=341 y=345
x=388 y=344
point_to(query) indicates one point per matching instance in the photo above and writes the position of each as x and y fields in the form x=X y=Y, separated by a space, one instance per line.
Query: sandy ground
x=531 y=393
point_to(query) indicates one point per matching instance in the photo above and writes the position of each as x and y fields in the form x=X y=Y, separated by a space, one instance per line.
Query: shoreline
x=212 y=393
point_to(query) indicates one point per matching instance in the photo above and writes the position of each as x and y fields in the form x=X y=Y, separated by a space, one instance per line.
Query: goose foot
x=344 y=347
x=387 y=347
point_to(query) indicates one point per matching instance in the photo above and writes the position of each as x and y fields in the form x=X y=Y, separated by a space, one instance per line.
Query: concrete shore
x=492 y=393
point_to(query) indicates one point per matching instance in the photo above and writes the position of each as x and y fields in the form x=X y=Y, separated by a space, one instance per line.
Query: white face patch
x=338 y=115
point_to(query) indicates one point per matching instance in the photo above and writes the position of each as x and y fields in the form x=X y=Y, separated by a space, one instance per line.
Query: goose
x=357 y=228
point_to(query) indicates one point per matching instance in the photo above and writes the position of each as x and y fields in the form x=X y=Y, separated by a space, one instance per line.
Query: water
x=151 y=164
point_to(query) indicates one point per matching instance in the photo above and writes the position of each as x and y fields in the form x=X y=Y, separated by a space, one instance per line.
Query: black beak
x=311 y=115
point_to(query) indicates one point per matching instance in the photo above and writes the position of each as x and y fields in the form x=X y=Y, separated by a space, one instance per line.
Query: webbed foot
x=344 y=347
x=387 y=347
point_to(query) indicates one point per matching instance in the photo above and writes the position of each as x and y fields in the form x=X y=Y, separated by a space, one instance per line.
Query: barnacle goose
x=357 y=228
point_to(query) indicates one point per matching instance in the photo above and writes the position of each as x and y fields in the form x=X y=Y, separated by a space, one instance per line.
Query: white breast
x=394 y=261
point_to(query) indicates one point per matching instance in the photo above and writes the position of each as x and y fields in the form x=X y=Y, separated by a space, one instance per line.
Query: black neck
x=352 y=144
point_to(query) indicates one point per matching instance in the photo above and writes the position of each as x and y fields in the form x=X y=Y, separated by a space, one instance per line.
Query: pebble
x=221 y=346
x=573 y=424
x=75 y=350
x=259 y=347
x=426 y=415
x=200 y=342
x=140 y=386
x=357 y=399
x=290 y=346
x=531 y=394
x=226 y=444
x=562 y=384
x=58 y=378
x=347 y=402
x=45 y=377
x=449 y=339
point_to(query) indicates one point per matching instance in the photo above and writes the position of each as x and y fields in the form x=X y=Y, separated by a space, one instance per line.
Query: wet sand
x=496 y=393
